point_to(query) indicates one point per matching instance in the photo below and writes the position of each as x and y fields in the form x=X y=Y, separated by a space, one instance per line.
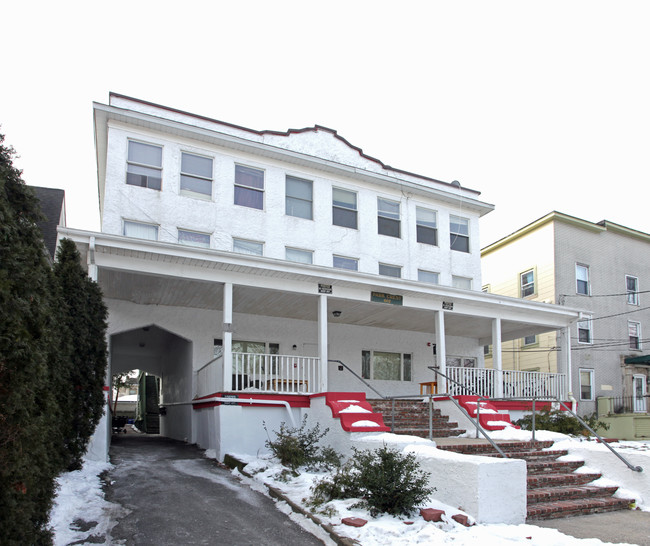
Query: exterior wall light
x=336 y=313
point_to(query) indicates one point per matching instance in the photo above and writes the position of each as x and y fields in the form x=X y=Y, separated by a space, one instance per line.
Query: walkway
x=174 y=496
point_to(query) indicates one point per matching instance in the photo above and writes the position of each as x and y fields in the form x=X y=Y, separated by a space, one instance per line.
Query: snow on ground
x=80 y=499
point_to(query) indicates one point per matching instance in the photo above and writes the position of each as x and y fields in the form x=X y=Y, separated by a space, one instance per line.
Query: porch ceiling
x=147 y=289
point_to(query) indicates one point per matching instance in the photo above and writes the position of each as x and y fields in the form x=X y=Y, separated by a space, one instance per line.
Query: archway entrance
x=167 y=359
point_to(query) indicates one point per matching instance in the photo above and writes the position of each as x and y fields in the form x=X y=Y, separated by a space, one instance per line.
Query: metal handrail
x=437 y=371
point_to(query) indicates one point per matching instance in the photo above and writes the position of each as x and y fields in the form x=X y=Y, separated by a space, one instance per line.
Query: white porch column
x=90 y=260
x=566 y=349
x=497 y=361
x=441 y=350
x=322 y=341
x=227 y=336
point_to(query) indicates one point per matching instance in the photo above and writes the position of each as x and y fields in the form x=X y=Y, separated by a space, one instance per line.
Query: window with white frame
x=582 y=279
x=390 y=270
x=299 y=197
x=459 y=233
x=344 y=208
x=586 y=384
x=460 y=361
x=140 y=230
x=249 y=187
x=243 y=246
x=426 y=226
x=634 y=329
x=584 y=330
x=144 y=165
x=193 y=238
x=299 y=255
x=527 y=283
x=632 y=288
x=196 y=175
x=388 y=217
x=382 y=365
x=428 y=276
x=343 y=262
x=529 y=340
x=461 y=282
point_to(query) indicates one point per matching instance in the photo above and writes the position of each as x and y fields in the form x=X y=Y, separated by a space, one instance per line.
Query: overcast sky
x=540 y=106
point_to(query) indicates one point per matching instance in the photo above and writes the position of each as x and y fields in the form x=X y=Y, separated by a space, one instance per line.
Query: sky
x=540 y=106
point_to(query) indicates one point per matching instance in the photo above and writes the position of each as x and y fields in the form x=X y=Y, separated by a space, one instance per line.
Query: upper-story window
x=527 y=283
x=196 y=174
x=299 y=201
x=582 y=279
x=459 y=233
x=428 y=276
x=249 y=187
x=390 y=270
x=248 y=247
x=193 y=238
x=584 y=330
x=461 y=282
x=342 y=262
x=140 y=230
x=634 y=329
x=344 y=208
x=388 y=217
x=144 y=165
x=427 y=230
x=632 y=288
x=298 y=255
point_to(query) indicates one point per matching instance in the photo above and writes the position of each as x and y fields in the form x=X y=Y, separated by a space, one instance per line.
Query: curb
x=233 y=462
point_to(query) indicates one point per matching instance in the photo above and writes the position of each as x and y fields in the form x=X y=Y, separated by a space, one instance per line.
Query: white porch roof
x=152 y=272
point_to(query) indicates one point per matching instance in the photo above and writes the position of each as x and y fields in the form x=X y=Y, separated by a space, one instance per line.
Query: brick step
x=552 y=467
x=552 y=494
x=534 y=455
x=416 y=422
x=507 y=447
x=537 y=481
x=436 y=433
x=576 y=507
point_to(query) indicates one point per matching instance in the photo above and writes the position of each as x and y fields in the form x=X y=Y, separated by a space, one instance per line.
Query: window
x=632 y=287
x=634 y=329
x=299 y=197
x=247 y=247
x=341 y=262
x=388 y=218
x=584 y=331
x=530 y=340
x=582 y=279
x=297 y=255
x=386 y=366
x=461 y=282
x=427 y=231
x=249 y=187
x=144 y=165
x=140 y=230
x=460 y=362
x=344 y=208
x=390 y=270
x=527 y=283
x=193 y=238
x=254 y=364
x=196 y=174
x=428 y=276
x=586 y=384
x=459 y=233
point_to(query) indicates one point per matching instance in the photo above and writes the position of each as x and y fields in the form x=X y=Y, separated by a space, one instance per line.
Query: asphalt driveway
x=175 y=496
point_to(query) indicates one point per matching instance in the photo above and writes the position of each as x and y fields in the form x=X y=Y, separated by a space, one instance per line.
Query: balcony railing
x=516 y=384
x=608 y=405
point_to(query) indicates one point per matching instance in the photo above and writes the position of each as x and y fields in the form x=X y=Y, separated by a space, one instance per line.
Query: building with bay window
x=277 y=266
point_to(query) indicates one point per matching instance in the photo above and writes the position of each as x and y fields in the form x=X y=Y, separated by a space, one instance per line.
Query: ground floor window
x=586 y=384
x=460 y=361
x=383 y=365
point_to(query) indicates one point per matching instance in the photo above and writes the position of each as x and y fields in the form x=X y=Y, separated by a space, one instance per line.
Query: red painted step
x=354 y=412
x=489 y=417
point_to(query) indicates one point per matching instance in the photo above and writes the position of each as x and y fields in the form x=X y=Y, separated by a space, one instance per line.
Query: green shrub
x=560 y=421
x=297 y=447
x=385 y=480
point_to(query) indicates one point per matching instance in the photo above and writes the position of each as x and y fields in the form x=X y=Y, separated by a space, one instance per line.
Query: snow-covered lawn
x=80 y=497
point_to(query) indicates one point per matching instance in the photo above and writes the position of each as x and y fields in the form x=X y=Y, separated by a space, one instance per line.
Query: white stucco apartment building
x=253 y=263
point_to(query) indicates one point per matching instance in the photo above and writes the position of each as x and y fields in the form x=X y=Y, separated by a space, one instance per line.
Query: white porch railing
x=275 y=373
x=254 y=372
x=516 y=384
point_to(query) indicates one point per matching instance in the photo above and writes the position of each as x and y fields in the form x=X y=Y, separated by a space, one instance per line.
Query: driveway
x=175 y=496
